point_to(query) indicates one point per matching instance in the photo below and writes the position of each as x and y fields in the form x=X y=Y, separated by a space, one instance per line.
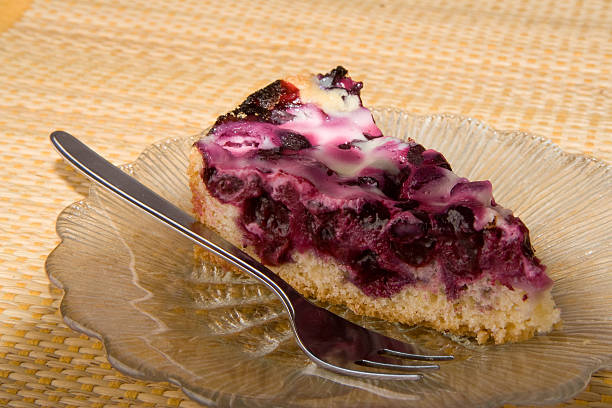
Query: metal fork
x=327 y=339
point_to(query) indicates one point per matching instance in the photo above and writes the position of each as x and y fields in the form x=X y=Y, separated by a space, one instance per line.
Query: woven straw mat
x=122 y=75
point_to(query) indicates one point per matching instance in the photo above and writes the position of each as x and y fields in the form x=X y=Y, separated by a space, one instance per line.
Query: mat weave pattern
x=122 y=75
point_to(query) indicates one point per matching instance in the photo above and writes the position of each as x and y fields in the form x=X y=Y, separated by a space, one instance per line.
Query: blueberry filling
x=391 y=212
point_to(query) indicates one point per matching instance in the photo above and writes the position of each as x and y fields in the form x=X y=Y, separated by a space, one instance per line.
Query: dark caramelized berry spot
x=264 y=105
x=436 y=159
x=526 y=247
x=415 y=155
x=265 y=98
x=424 y=217
x=288 y=94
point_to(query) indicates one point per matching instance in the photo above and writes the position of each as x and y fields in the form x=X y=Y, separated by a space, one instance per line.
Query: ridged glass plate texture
x=226 y=341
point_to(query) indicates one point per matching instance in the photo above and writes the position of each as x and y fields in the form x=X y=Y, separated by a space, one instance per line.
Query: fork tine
x=398 y=376
x=400 y=367
x=410 y=356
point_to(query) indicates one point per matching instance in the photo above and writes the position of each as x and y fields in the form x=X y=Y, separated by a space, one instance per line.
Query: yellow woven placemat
x=124 y=74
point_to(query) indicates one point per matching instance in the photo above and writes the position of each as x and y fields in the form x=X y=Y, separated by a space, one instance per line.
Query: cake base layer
x=483 y=311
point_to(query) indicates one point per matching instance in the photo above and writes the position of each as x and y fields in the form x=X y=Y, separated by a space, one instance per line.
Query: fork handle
x=105 y=174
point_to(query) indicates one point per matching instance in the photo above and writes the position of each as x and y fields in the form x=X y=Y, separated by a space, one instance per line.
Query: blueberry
x=416 y=253
x=269 y=154
x=424 y=218
x=406 y=205
x=373 y=215
x=392 y=184
x=366 y=260
x=456 y=220
x=367 y=181
x=327 y=233
x=321 y=229
x=225 y=186
x=363 y=181
x=287 y=193
x=272 y=243
x=409 y=240
x=293 y=141
x=496 y=256
x=375 y=280
x=207 y=173
x=459 y=259
x=424 y=176
x=406 y=229
x=272 y=216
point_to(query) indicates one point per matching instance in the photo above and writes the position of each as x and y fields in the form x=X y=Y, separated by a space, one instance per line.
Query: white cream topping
x=327 y=131
x=372 y=157
x=334 y=101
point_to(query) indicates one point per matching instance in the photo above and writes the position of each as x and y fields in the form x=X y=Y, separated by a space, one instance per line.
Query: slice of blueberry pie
x=302 y=178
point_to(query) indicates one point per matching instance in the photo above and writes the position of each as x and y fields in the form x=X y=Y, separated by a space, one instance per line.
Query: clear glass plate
x=225 y=339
